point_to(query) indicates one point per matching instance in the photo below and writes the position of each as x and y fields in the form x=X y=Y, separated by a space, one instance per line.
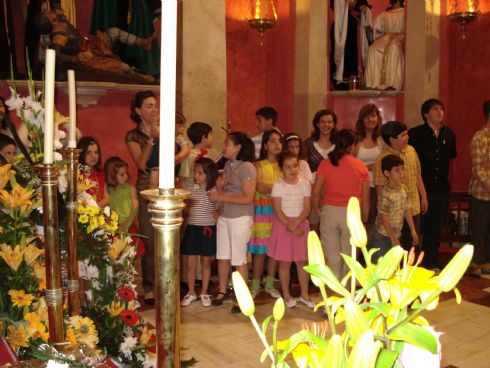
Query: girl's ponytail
x=343 y=141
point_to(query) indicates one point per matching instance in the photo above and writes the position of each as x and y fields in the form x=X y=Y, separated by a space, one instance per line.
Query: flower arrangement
x=379 y=313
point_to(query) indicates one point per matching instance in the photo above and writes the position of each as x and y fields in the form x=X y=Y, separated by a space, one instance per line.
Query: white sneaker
x=273 y=292
x=188 y=299
x=205 y=300
x=291 y=303
x=309 y=303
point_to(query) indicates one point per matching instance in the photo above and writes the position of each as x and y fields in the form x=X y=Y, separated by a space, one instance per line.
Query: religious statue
x=92 y=52
x=385 y=61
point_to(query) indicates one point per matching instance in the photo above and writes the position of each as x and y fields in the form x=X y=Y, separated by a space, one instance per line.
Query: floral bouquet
x=375 y=322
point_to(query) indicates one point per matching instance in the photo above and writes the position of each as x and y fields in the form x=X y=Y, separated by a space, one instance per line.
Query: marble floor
x=217 y=338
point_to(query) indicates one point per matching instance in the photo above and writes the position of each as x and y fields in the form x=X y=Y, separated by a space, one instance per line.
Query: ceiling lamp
x=261 y=16
x=464 y=12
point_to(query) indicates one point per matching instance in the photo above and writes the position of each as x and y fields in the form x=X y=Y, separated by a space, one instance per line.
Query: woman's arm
x=365 y=201
x=246 y=197
x=140 y=156
x=134 y=199
x=316 y=192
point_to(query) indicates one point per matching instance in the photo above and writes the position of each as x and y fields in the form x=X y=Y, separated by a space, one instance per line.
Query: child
x=292 y=143
x=201 y=136
x=268 y=173
x=266 y=120
x=236 y=194
x=8 y=149
x=91 y=161
x=394 y=206
x=200 y=233
x=291 y=200
x=123 y=196
x=394 y=134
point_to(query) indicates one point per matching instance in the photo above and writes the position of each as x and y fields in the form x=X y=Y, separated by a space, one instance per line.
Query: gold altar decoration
x=166 y=206
x=261 y=16
x=464 y=12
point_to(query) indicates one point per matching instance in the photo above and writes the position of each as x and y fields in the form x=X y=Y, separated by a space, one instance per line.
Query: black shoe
x=235 y=309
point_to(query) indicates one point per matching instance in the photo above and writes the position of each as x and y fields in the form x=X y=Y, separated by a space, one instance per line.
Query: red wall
x=464 y=84
x=259 y=75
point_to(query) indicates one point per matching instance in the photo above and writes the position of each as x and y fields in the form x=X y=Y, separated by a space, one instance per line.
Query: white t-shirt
x=292 y=196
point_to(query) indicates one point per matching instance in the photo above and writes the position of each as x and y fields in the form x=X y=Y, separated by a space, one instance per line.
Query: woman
x=368 y=130
x=339 y=178
x=140 y=141
x=318 y=146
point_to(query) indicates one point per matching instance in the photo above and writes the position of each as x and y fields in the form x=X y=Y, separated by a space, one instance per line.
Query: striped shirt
x=200 y=207
x=480 y=164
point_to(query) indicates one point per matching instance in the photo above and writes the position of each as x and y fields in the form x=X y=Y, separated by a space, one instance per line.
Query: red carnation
x=126 y=293
x=129 y=317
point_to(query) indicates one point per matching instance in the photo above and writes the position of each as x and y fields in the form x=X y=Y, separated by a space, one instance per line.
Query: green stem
x=274 y=338
x=262 y=338
x=353 y=276
x=331 y=321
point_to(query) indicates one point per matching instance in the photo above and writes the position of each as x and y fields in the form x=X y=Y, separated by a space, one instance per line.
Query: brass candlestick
x=166 y=206
x=48 y=173
x=71 y=155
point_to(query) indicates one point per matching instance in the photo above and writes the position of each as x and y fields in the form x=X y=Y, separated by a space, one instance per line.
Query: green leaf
x=325 y=274
x=303 y=336
x=356 y=268
x=335 y=352
x=355 y=321
x=265 y=323
x=382 y=308
x=386 y=358
x=415 y=335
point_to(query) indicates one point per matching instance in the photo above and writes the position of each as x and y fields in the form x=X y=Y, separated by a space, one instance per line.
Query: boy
x=201 y=136
x=394 y=205
x=394 y=134
x=266 y=120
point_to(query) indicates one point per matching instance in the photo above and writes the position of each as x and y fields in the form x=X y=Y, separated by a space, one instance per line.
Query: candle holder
x=71 y=155
x=48 y=173
x=166 y=206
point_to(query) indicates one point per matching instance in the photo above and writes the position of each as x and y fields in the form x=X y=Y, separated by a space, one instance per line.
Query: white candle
x=49 y=106
x=72 y=95
x=167 y=93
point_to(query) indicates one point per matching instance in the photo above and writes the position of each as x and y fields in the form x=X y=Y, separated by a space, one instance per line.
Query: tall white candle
x=72 y=95
x=167 y=93
x=49 y=106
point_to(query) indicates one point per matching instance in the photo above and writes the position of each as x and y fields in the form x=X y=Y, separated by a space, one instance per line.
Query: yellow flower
x=115 y=249
x=59 y=119
x=83 y=218
x=18 y=337
x=40 y=272
x=146 y=335
x=42 y=310
x=85 y=330
x=13 y=257
x=37 y=328
x=83 y=183
x=31 y=253
x=19 y=197
x=115 y=308
x=71 y=337
x=20 y=298
x=4 y=175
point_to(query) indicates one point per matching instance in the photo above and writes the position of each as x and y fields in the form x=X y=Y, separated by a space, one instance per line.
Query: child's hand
x=215 y=214
x=298 y=231
x=214 y=196
x=415 y=238
x=220 y=183
x=291 y=227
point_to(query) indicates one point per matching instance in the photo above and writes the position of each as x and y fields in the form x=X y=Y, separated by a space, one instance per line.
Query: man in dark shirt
x=435 y=144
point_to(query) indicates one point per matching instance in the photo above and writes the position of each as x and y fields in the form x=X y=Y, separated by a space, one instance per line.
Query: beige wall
x=202 y=66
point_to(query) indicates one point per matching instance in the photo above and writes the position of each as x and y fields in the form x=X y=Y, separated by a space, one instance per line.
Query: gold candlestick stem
x=71 y=155
x=54 y=294
x=166 y=206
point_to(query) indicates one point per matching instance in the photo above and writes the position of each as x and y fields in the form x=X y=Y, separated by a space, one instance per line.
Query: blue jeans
x=382 y=242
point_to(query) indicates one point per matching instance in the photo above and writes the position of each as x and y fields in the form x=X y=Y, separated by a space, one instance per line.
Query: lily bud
x=455 y=269
x=278 y=311
x=354 y=223
x=244 y=298
x=315 y=255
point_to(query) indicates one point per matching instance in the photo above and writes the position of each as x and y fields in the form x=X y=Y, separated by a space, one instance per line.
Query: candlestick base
x=166 y=206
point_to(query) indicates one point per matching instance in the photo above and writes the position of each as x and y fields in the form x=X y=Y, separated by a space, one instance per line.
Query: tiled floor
x=217 y=338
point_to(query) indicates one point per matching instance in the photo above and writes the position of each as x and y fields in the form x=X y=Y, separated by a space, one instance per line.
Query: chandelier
x=464 y=12
x=261 y=16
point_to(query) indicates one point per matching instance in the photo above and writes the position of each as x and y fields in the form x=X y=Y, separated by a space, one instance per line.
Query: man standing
x=480 y=196
x=435 y=144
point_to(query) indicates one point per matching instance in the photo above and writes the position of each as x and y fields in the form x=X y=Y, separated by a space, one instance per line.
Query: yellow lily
x=315 y=255
x=115 y=308
x=354 y=223
x=35 y=324
x=13 y=257
x=18 y=337
x=4 y=175
x=83 y=183
x=19 y=197
x=40 y=272
x=116 y=247
x=31 y=253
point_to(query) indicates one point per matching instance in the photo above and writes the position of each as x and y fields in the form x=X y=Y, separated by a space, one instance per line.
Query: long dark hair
x=265 y=139
x=345 y=138
x=247 y=151
x=210 y=168
x=316 y=120
x=365 y=111
x=83 y=145
x=3 y=121
x=137 y=102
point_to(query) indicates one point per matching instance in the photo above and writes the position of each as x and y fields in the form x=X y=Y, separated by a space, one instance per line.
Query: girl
x=91 y=161
x=123 y=196
x=8 y=149
x=292 y=143
x=339 y=178
x=368 y=129
x=268 y=173
x=236 y=193
x=200 y=233
x=291 y=200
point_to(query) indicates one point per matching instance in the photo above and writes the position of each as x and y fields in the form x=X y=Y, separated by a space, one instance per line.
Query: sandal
x=218 y=299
